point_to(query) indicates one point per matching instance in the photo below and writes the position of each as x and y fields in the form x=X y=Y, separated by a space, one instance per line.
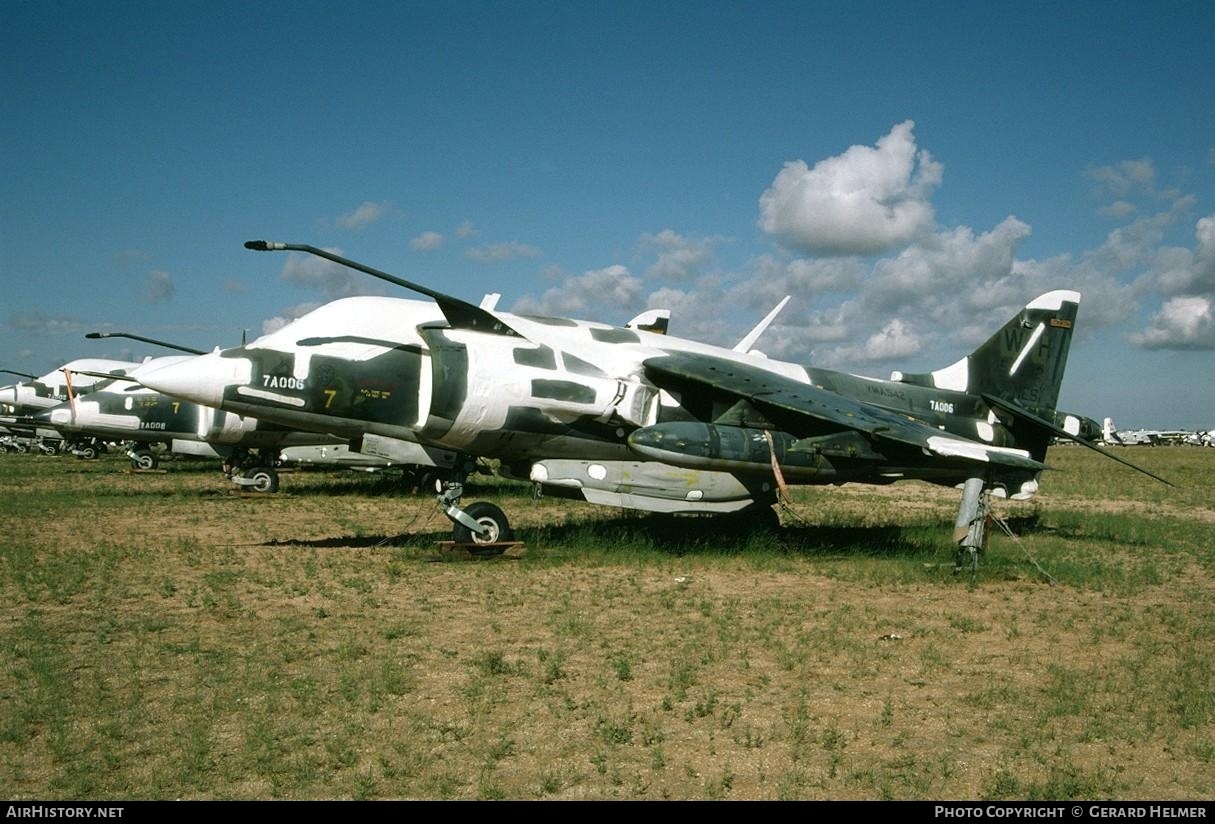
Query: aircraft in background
x=21 y=400
x=626 y=417
x=130 y=412
x=13 y=440
x=249 y=449
x=1154 y=437
x=1126 y=437
x=54 y=387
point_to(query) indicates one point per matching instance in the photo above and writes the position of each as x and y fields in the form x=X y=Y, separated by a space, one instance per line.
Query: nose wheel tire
x=144 y=460
x=264 y=479
x=487 y=515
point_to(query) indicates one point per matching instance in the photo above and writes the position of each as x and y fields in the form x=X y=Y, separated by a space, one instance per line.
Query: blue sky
x=911 y=173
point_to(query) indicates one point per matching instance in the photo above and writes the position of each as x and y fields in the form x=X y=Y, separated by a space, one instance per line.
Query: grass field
x=163 y=636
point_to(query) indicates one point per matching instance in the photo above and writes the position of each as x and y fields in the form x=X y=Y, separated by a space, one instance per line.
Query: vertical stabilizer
x=1021 y=364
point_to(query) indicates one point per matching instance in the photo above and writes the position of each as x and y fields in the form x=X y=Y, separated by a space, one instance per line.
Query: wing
x=804 y=410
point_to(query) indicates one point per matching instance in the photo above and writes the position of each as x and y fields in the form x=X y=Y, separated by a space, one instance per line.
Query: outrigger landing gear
x=970 y=530
x=480 y=523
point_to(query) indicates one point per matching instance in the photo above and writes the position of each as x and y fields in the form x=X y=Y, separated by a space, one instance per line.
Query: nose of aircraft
x=201 y=379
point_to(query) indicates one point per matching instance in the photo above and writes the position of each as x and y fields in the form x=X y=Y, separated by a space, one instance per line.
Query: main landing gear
x=970 y=530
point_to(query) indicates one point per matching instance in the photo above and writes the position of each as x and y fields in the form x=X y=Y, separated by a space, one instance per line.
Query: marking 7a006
x=282 y=382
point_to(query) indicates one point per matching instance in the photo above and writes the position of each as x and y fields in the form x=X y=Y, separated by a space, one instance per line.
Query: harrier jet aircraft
x=36 y=393
x=131 y=412
x=632 y=418
x=20 y=400
x=249 y=449
x=1151 y=437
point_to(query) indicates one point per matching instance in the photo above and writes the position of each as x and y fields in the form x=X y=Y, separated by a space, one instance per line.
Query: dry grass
x=163 y=637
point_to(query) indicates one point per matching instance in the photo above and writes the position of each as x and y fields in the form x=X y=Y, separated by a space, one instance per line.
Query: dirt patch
x=166 y=637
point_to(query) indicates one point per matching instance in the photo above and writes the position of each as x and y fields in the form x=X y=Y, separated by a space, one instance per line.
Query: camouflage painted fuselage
x=565 y=389
x=126 y=410
x=51 y=389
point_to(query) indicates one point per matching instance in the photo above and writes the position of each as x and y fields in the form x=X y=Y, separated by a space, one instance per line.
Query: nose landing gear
x=481 y=523
x=253 y=471
x=490 y=519
x=142 y=458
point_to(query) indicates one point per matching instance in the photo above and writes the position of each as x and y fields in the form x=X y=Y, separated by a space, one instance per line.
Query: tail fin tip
x=1053 y=301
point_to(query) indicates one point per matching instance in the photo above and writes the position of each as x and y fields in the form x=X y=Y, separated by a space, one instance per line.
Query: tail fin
x=1018 y=372
x=1022 y=364
x=1019 y=369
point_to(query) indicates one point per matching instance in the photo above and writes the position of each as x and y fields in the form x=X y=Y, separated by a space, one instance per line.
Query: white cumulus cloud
x=366 y=214
x=865 y=201
x=1126 y=177
x=954 y=287
x=1186 y=276
x=1118 y=210
x=679 y=257
x=895 y=340
x=1179 y=270
x=286 y=316
x=36 y=323
x=697 y=313
x=426 y=242
x=334 y=280
x=942 y=266
x=606 y=292
x=1182 y=323
x=496 y=252
x=160 y=286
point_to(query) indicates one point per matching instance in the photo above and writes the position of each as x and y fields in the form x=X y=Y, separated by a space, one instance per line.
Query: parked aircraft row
x=1155 y=437
x=624 y=416
x=89 y=403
